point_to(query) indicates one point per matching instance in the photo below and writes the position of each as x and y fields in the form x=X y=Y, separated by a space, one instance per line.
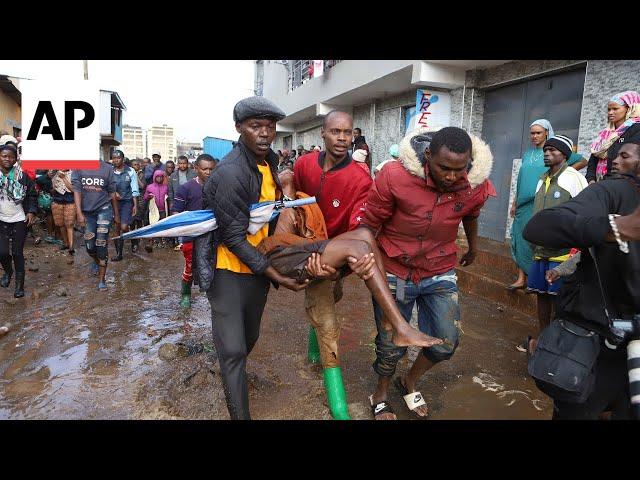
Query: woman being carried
x=300 y=239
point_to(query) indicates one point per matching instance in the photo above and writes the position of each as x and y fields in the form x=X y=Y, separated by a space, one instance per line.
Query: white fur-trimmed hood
x=482 y=158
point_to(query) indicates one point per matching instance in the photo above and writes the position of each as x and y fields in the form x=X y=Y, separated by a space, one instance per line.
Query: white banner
x=433 y=109
x=318 y=68
x=60 y=124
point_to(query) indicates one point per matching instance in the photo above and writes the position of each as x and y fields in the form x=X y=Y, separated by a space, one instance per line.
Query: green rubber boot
x=335 y=393
x=185 y=299
x=313 y=348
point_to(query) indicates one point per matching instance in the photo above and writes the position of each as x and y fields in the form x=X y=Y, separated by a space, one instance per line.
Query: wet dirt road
x=76 y=353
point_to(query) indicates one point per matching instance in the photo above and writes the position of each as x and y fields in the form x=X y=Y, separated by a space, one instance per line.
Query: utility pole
x=85 y=64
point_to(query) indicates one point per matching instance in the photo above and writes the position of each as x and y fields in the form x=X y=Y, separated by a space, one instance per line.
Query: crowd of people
x=396 y=230
x=122 y=194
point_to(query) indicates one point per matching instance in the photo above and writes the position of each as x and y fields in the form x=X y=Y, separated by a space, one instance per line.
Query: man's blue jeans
x=438 y=316
x=96 y=234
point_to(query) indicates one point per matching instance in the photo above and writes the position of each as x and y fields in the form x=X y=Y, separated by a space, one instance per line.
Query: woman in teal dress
x=531 y=169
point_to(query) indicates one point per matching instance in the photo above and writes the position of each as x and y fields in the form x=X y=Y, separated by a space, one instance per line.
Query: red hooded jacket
x=417 y=223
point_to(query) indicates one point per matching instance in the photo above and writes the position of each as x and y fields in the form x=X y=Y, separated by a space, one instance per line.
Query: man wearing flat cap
x=235 y=275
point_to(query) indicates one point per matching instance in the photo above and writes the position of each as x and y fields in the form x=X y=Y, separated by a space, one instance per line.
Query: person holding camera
x=603 y=221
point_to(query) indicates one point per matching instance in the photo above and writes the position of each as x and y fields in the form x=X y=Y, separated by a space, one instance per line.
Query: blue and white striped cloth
x=199 y=222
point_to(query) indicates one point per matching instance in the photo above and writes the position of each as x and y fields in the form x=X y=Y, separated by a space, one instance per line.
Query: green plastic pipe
x=335 y=393
x=313 y=348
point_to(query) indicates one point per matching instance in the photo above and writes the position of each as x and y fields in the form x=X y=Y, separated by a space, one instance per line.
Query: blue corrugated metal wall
x=217 y=147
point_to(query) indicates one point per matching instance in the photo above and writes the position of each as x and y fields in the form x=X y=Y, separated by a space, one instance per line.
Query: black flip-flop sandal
x=380 y=408
x=412 y=399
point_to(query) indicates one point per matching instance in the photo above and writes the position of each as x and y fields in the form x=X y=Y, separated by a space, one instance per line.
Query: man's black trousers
x=237 y=302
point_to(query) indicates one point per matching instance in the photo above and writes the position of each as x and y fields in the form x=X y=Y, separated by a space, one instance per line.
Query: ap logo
x=60 y=121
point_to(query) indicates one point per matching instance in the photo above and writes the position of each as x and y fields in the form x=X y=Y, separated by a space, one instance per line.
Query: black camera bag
x=563 y=363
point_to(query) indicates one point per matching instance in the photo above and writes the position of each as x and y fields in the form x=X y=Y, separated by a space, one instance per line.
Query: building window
x=300 y=71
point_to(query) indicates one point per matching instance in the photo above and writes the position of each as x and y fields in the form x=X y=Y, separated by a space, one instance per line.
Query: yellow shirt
x=227 y=260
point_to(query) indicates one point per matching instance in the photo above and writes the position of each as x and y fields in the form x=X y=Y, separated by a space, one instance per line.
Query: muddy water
x=76 y=353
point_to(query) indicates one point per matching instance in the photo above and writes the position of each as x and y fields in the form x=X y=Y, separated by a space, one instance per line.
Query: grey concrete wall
x=468 y=115
x=389 y=124
x=516 y=71
x=604 y=79
x=362 y=117
x=308 y=134
x=278 y=142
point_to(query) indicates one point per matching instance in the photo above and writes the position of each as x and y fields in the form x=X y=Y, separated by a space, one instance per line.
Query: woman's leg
x=521 y=249
x=69 y=239
x=17 y=251
x=69 y=224
x=520 y=282
x=365 y=235
x=337 y=253
x=5 y=255
x=65 y=236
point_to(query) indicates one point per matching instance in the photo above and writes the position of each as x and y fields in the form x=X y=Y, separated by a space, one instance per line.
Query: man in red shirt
x=415 y=207
x=341 y=188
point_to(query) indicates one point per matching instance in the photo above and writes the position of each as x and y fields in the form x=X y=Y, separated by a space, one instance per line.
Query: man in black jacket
x=583 y=222
x=234 y=273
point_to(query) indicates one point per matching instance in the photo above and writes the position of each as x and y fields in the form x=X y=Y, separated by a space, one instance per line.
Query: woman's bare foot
x=410 y=336
x=520 y=282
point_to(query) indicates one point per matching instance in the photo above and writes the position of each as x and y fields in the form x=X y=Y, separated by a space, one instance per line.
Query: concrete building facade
x=134 y=142
x=189 y=149
x=111 y=114
x=494 y=99
x=10 y=106
x=162 y=140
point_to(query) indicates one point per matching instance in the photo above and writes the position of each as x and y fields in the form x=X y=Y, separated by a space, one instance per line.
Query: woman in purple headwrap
x=623 y=115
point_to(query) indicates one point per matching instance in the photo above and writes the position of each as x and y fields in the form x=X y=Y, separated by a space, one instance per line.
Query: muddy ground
x=76 y=353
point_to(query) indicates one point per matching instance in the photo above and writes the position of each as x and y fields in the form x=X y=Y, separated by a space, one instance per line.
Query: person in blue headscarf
x=531 y=169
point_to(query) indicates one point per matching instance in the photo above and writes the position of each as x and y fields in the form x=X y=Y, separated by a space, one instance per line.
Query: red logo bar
x=61 y=164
